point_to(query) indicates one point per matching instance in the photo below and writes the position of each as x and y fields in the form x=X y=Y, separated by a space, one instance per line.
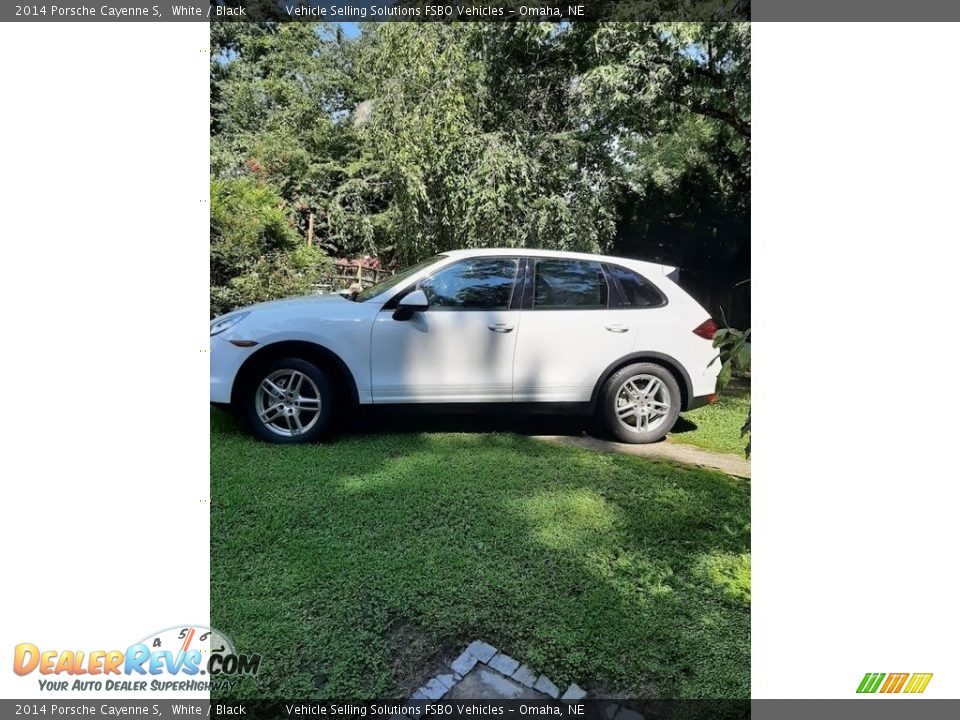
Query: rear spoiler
x=671 y=272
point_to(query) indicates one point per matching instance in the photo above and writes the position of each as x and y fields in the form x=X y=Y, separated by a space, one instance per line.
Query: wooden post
x=310 y=231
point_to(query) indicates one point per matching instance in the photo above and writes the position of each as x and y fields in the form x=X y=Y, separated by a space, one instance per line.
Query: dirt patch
x=604 y=689
x=414 y=656
x=671 y=452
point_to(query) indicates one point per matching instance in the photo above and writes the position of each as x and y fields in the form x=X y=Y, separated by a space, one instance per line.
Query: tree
x=255 y=254
x=420 y=137
x=467 y=165
x=675 y=100
x=278 y=93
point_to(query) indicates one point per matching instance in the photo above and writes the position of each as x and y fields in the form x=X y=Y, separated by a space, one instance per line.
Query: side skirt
x=525 y=408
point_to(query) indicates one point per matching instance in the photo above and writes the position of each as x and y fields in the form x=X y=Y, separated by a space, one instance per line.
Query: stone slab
x=574 y=692
x=525 y=676
x=482 y=683
x=434 y=689
x=481 y=651
x=544 y=685
x=447 y=680
x=504 y=663
x=463 y=664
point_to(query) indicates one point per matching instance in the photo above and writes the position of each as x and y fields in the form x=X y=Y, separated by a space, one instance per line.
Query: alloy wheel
x=288 y=402
x=643 y=403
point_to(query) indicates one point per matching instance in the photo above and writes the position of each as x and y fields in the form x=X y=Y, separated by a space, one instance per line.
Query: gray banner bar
x=867 y=708
x=478 y=10
x=854 y=11
x=873 y=708
x=373 y=10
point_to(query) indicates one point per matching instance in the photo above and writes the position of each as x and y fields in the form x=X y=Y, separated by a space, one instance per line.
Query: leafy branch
x=734 y=347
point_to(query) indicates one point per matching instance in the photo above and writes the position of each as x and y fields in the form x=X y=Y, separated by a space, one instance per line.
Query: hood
x=305 y=300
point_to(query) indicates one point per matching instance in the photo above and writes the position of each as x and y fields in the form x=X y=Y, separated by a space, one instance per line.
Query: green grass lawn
x=356 y=566
x=717 y=427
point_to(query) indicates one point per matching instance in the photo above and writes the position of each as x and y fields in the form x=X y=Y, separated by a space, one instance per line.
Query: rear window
x=637 y=291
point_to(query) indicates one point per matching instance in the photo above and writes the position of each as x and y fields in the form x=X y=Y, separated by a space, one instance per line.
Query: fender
x=299 y=348
x=672 y=364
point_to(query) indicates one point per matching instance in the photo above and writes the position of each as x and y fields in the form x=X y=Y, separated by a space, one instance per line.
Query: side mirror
x=409 y=304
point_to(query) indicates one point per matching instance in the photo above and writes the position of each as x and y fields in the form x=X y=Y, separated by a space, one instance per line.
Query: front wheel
x=641 y=403
x=288 y=401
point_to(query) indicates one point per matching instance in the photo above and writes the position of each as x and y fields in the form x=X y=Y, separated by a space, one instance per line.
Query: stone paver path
x=481 y=672
x=482 y=683
x=670 y=451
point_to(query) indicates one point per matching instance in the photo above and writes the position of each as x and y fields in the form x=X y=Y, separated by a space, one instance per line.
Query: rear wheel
x=289 y=400
x=641 y=403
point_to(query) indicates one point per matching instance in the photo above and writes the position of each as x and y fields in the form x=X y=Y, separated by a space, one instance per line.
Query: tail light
x=707 y=329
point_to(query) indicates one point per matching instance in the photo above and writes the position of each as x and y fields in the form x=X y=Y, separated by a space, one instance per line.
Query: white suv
x=586 y=333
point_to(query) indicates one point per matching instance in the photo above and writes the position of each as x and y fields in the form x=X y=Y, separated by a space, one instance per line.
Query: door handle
x=500 y=327
x=614 y=327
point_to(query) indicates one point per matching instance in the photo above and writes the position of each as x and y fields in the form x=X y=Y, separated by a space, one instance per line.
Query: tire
x=655 y=414
x=288 y=401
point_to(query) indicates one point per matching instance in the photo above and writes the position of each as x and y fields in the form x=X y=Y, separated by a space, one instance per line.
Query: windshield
x=394 y=280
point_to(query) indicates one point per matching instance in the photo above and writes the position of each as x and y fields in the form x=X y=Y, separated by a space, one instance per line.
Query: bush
x=734 y=347
x=255 y=252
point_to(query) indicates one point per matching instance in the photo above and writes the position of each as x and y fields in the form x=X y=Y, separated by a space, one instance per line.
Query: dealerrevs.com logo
x=182 y=658
x=910 y=683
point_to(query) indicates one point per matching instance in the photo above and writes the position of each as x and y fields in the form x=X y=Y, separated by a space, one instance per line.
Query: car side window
x=474 y=284
x=569 y=284
x=638 y=292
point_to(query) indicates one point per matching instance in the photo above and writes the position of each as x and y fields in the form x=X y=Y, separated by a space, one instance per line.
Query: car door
x=461 y=348
x=571 y=334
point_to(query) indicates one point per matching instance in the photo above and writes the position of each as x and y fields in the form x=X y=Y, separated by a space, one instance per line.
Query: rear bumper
x=703 y=386
x=699 y=401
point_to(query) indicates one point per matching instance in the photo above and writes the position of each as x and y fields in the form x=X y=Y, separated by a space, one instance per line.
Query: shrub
x=255 y=252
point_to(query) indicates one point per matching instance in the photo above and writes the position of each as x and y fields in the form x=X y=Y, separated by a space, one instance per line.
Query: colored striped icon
x=918 y=683
x=894 y=682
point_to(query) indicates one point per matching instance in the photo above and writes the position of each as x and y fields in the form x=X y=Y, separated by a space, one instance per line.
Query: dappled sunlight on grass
x=584 y=565
x=730 y=572
x=571 y=518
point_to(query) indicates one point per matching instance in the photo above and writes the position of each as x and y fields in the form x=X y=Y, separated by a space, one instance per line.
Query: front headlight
x=223 y=324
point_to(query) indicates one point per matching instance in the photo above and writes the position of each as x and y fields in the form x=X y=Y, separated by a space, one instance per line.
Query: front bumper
x=225 y=362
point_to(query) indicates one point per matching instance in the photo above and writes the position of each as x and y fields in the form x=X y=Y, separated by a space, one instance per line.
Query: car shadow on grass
x=373 y=421
x=394 y=421
x=683 y=425
x=391 y=420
